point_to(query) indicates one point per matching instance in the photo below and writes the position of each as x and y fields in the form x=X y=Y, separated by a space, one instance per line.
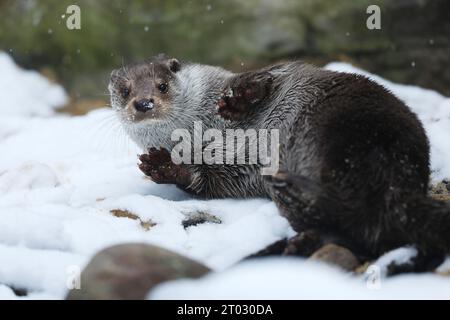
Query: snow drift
x=27 y=93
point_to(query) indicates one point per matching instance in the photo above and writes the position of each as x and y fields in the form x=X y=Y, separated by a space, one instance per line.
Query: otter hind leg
x=299 y=198
x=303 y=244
x=311 y=209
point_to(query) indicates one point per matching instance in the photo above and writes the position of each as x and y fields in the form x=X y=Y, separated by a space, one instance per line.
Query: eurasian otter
x=354 y=159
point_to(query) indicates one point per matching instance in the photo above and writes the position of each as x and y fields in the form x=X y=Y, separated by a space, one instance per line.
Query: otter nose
x=143 y=105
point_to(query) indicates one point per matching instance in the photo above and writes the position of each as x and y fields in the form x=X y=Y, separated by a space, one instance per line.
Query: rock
x=130 y=271
x=199 y=217
x=363 y=268
x=444 y=273
x=442 y=197
x=336 y=255
x=441 y=191
x=444 y=269
x=440 y=188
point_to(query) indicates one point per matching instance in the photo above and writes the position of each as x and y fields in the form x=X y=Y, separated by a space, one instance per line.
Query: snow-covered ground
x=60 y=176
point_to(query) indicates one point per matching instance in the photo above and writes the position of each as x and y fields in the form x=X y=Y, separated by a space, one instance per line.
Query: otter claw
x=242 y=93
x=229 y=93
x=158 y=165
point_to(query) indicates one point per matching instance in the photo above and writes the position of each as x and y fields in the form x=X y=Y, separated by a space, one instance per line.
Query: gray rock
x=441 y=191
x=199 y=217
x=130 y=271
x=336 y=255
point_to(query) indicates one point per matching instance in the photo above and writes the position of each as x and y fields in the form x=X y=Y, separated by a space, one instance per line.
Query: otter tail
x=427 y=223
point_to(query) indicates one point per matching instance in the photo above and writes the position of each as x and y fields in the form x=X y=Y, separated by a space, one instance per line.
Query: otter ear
x=114 y=74
x=174 y=65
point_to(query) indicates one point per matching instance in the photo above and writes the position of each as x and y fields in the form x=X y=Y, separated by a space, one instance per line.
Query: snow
x=283 y=278
x=398 y=256
x=28 y=93
x=60 y=177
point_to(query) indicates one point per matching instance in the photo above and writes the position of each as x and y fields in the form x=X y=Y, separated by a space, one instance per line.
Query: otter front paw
x=158 y=165
x=242 y=93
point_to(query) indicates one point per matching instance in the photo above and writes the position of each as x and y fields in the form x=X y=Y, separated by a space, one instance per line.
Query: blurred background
x=412 y=47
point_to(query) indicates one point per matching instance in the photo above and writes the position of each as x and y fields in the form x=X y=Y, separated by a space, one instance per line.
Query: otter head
x=144 y=91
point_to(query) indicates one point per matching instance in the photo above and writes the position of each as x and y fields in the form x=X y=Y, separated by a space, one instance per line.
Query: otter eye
x=125 y=93
x=163 y=87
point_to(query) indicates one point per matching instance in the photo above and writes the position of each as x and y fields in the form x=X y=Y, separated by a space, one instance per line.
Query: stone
x=336 y=255
x=199 y=217
x=441 y=191
x=439 y=188
x=130 y=271
x=442 y=197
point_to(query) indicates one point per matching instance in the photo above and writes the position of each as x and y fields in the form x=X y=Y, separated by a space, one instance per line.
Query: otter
x=353 y=163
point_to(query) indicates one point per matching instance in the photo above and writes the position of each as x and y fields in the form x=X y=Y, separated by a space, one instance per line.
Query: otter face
x=144 y=90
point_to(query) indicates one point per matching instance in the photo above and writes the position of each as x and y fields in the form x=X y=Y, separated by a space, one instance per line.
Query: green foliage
x=233 y=33
x=221 y=32
x=116 y=31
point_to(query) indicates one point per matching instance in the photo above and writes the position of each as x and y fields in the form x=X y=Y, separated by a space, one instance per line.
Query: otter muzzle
x=143 y=105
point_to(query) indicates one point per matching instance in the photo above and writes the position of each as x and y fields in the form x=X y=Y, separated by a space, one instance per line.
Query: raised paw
x=242 y=93
x=158 y=165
